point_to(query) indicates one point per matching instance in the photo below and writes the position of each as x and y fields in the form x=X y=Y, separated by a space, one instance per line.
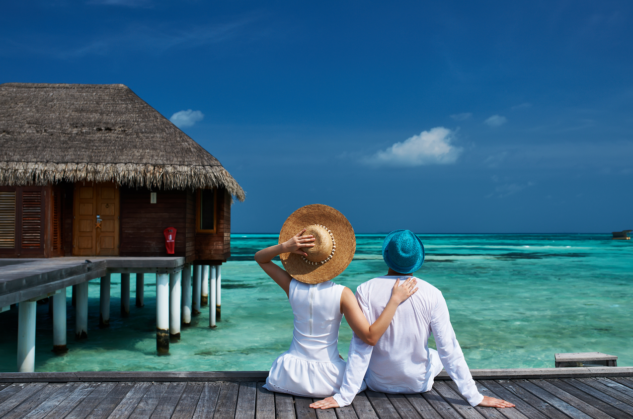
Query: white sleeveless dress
x=311 y=367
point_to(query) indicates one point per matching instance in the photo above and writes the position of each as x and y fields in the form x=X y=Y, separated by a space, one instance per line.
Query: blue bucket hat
x=403 y=251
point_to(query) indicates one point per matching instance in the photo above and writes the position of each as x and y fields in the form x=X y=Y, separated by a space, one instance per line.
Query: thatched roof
x=80 y=132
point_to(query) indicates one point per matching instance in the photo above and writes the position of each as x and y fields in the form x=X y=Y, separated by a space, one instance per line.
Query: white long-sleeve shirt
x=401 y=361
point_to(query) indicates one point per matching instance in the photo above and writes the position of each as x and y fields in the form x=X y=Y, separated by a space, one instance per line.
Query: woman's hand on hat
x=405 y=290
x=297 y=243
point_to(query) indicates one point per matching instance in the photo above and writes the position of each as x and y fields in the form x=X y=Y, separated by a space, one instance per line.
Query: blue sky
x=452 y=116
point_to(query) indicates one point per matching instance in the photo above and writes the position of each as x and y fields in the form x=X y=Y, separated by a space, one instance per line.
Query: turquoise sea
x=515 y=300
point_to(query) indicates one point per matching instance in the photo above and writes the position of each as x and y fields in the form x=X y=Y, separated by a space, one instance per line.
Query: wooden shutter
x=7 y=220
x=31 y=219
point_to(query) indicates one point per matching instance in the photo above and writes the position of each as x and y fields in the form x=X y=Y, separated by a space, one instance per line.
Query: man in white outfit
x=401 y=361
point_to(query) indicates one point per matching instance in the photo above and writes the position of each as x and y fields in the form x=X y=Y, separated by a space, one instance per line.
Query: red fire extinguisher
x=170 y=240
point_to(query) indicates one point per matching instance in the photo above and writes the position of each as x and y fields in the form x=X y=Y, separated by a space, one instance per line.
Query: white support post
x=213 y=289
x=204 y=299
x=140 y=290
x=218 y=296
x=59 y=322
x=197 y=287
x=125 y=295
x=186 y=296
x=162 y=313
x=175 y=283
x=81 y=310
x=26 y=336
x=104 y=300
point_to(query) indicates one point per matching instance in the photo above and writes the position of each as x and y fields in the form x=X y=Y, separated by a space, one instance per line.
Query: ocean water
x=515 y=300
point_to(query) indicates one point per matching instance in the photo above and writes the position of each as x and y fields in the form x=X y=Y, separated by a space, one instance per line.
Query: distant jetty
x=622 y=235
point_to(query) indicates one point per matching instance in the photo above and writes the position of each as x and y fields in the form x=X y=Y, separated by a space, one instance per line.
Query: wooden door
x=96 y=220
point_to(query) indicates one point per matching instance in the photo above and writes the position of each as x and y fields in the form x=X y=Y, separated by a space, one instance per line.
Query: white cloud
x=462 y=116
x=496 y=121
x=186 y=118
x=430 y=147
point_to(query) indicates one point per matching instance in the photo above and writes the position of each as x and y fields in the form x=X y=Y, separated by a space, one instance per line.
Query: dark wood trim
x=132 y=376
x=215 y=213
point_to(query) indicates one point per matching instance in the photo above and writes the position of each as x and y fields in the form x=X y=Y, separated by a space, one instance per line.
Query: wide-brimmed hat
x=403 y=251
x=334 y=245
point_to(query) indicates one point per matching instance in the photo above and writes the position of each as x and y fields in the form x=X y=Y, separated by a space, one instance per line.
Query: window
x=205 y=211
x=7 y=220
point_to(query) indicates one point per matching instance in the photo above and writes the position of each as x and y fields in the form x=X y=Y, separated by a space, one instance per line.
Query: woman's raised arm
x=265 y=258
x=357 y=321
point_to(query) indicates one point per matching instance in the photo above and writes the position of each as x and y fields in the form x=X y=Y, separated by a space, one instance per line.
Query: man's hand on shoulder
x=328 y=403
x=492 y=402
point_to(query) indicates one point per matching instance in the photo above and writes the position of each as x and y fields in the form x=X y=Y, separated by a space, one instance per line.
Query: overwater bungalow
x=622 y=235
x=93 y=170
x=91 y=178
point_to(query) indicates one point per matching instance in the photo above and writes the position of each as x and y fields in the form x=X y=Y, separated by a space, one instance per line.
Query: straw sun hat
x=333 y=249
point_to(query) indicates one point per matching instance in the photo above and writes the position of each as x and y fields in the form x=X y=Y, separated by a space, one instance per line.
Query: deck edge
x=239 y=376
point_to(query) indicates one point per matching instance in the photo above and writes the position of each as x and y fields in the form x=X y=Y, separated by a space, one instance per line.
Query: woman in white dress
x=316 y=244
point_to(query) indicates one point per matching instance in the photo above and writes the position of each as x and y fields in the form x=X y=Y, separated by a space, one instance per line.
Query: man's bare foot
x=492 y=402
x=328 y=403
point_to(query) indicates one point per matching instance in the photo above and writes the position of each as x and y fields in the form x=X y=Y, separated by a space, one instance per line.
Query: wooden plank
x=246 y=398
x=527 y=397
x=227 y=401
x=552 y=400
x=496 y=390
x=92 y=400
x=10 y=390
x=596 y=398
x=382 y=405
x=130 y=401
x=111 y=401
x=403 y=407
x=571 y=399
x=169 y=401
x=188 y=402
x=440 y=405
x=34 y=401
x=511 y=413
x=616 y=386
x=18 y=397
x=208 y=401
x=346 y=412
x=303 y=409
x=607 y=390
x=53 y=401
x=623 y=380
x=284 y=406
x=149 y=401
x=265 y=407
x=3 y=386
x=68 y=404
x=489 y=412
x=422 y=406
x=328 y=413
x=456 y=400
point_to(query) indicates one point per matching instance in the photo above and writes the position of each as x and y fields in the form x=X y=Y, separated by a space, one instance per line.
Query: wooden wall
x=67 y=191
x=35 y=214
x=142 y=223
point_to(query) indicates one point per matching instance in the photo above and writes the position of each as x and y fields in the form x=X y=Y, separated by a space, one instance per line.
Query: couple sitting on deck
x=389 y=355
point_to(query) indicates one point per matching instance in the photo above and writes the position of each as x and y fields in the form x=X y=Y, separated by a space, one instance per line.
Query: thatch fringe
x=133 y=175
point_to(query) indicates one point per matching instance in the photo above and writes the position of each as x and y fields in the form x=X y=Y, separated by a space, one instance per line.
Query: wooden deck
x=596 y=397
